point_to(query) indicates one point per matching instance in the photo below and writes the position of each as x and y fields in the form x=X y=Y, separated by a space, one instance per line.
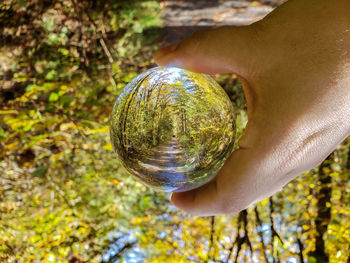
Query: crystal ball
x=172 y=129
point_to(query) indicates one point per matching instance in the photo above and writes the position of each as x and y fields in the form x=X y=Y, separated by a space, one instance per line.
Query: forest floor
x=184 y=17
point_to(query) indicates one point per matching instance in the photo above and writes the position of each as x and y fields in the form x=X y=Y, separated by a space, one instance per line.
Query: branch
x=301 y=248
x=246 y=236
x=119 y=253
x=106 y=50
x=260 y=233
x=240 y=241
x=273 y=230
x=236 y=240
x=239 y=247
x=212 y=224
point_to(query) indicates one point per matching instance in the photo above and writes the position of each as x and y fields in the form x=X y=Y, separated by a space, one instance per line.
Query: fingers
x=198 y=201
x=234 y=189
x=222 y=50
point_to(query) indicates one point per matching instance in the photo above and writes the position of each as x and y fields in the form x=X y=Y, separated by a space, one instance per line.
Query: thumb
x=234 y=189
x=221 y=50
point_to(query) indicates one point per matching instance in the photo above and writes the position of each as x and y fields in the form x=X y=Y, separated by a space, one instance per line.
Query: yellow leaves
x=34 y=239
x=11 y=147
x=26 y=96
x=108 y=147
x=99 y=130
x=36 y=200
x=306 y=216
x=332 y=229
x=147 y=237
x=170 y=258
x=336 y=197
x=203 y=255
x=255 y=3
x=346 y=234
x=63 y=251
x=83 y=224
x=135 y=221
x=115 y=181
x=326 y=170
x=64 y=88
x=176 y=219
x=21 y=77
x=56 y=156
x=139 y=220
x=264 y=202
x=67 y=126
x=305 y=227
x=165 y=245
x=210 y=128
x=22 y=122
x=83 y=231
x=5 y=112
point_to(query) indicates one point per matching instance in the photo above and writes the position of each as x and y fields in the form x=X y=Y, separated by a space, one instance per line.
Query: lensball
x=173 y=129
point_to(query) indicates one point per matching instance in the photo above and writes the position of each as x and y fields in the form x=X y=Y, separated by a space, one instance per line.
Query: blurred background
x=63 y=195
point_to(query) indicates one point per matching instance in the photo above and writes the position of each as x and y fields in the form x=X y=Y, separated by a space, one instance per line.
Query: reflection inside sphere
x=172 y=128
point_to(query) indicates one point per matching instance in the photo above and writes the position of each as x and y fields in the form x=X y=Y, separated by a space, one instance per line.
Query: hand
x=295 y=68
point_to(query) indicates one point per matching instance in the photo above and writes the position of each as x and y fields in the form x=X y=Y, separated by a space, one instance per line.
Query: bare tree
x=323 y=211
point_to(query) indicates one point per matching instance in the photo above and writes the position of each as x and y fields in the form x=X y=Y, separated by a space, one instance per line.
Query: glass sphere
x=172 y=129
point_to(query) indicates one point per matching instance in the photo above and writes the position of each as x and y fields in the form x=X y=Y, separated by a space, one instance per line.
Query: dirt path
x=183 y=17
x=166 y=167
x=167 y=158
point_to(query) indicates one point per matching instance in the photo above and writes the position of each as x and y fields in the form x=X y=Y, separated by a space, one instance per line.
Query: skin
x=295 y=68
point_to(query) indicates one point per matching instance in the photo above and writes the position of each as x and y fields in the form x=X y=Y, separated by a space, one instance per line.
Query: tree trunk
x=211 y=241
x=260 y=233
x=348 y=162
x=323 y=212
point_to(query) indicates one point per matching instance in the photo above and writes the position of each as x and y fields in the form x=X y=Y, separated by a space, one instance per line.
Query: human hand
x=295 y=69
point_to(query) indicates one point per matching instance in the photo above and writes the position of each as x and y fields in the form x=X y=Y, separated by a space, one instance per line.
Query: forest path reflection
x=166 y=157
x=167 y=164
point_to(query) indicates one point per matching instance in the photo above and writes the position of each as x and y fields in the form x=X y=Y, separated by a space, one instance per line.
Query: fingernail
x=164 y=51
